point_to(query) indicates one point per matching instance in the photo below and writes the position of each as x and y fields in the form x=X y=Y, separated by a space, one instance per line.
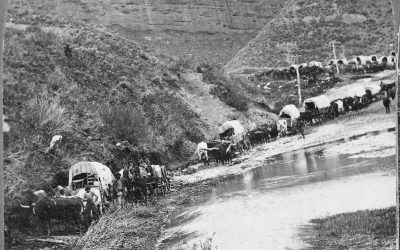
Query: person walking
x=386 y=103
x=119 y=189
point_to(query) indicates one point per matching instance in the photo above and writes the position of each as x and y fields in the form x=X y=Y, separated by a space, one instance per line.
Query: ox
x=57 y=208
x=282 y=127
x=201 y=151
x=222 y=151
x=273 y=128
x=259 y=135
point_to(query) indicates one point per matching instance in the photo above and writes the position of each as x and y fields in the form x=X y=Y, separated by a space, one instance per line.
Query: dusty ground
x=140 y=227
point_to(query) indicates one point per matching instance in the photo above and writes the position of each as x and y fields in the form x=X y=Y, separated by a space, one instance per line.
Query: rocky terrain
x=363 y=27
x=204 y=31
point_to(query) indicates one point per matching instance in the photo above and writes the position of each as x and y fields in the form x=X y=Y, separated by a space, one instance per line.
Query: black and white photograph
x=199 y=124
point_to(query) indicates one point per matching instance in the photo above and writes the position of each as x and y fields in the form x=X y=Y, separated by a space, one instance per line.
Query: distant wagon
x=231 y=130
x=356 y=91
x=289 y=113
x=373 y=92
x=93 y=174
x=319 y=107
x=359 y=94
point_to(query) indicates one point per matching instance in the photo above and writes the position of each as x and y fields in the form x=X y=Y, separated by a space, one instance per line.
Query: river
x=267 y=206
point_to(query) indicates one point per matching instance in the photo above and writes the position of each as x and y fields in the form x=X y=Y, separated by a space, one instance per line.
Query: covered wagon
x=231 y=130
x=93 y=174
x=319 y=107
x=372 y=91
x=356 y=91
x=289 y=113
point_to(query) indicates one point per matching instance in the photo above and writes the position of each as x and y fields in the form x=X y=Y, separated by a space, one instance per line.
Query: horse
x=139 y=183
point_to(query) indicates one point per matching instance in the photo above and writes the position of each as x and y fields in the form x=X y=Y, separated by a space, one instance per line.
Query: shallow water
x=266 y=208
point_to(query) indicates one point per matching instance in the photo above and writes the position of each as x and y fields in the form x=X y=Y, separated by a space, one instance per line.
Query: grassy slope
x=364 y=27
x=111 y=90
x=368 y=229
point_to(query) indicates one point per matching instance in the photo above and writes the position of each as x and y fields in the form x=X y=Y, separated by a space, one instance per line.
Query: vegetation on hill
x=108 y=91
x=363 y=27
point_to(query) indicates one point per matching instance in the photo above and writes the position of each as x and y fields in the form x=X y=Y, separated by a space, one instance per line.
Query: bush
x=180 y=65
x=126 y=123
x=45 y=117
x=235 y=98
x=228 y=92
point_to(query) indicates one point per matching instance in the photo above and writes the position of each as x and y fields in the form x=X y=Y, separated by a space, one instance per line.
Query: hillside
x=110 y=90
x=204 y=31
x=363 y=27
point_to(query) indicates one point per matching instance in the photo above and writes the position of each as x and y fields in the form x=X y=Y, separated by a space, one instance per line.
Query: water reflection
x=265 y=208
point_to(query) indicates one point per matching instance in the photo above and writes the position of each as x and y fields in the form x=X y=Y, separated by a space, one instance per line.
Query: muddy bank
x=373 y=118
x=140 y=227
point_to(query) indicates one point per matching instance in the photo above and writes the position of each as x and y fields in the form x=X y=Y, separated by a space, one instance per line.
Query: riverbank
x=369 y=229
x=140 y=227
x=372 y=118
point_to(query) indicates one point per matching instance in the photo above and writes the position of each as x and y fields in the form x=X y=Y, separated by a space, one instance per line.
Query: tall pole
x=334 y=55
x=3 y=12
x=298 y=82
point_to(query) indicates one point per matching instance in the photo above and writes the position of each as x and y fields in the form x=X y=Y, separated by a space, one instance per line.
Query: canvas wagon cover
x=321 y=101
x=291 y=111
x=238 y=129
x=96 y=168
x=374 y=88
x=235 y=124
x=357 y=91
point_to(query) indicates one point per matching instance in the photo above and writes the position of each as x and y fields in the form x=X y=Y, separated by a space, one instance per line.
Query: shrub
x=235 y=98
x=45 y=117
x=228 y=92
x=204 y=67
x=180 y=65
x=125 y=123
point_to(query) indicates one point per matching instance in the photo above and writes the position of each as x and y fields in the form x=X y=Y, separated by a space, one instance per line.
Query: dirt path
x=210 y=108
x=215 y=112
x=370 y=119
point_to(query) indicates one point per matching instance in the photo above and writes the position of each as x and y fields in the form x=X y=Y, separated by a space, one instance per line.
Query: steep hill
x=108 y=90
x=363 y=27
x=205 y=31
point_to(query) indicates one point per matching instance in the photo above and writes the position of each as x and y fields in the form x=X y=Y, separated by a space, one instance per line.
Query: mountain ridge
x=363 y=27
